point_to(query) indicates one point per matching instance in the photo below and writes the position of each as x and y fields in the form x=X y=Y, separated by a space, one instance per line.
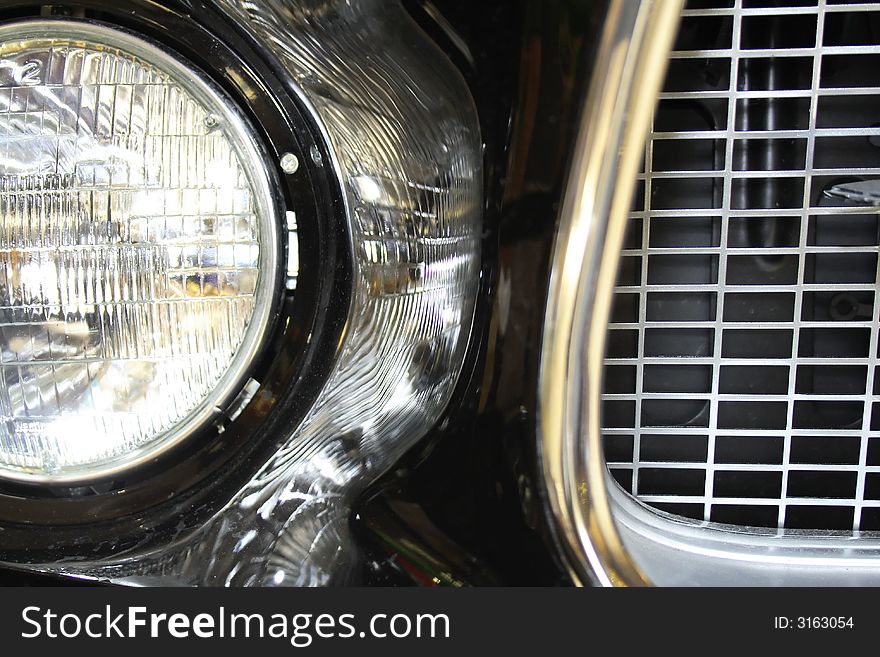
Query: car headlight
x=350 y=148
x=137 y=248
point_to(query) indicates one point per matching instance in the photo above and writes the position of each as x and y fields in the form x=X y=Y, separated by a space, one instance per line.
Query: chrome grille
x=742 y=350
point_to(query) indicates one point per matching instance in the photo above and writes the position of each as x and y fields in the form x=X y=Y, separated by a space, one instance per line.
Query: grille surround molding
x=628 y=67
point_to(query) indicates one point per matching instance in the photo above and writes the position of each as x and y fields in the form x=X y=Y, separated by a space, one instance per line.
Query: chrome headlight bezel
x=395 y=148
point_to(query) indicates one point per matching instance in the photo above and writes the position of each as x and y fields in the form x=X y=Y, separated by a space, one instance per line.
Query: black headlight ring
x=186 y=484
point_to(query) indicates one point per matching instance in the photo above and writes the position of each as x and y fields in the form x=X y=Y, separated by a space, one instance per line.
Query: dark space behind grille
x=740 y=385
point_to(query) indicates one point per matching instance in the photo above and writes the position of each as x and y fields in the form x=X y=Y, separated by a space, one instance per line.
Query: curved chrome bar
x=628 y=70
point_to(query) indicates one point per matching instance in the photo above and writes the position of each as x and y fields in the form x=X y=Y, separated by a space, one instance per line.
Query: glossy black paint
x=182 y=488
x=473 y=483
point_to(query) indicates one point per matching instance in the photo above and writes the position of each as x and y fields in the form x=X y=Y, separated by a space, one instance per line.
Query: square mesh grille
x=741 y=360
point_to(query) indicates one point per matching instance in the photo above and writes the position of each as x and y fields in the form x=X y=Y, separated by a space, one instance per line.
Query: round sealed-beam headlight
x=138 y=248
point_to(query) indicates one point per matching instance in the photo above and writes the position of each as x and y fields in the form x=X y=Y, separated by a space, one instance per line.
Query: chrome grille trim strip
x=673 y=552
x=628 y=68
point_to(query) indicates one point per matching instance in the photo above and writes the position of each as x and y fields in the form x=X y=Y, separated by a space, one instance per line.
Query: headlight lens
x=137 y=250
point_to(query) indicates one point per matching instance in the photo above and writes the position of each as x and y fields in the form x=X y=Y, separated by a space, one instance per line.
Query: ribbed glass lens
x=136 y=245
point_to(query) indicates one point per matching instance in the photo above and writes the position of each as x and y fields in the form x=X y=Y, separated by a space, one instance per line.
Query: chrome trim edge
x=629 y=66
x=726 y=555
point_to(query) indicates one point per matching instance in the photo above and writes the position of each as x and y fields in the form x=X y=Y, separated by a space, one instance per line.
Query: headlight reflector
x=137 y=250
